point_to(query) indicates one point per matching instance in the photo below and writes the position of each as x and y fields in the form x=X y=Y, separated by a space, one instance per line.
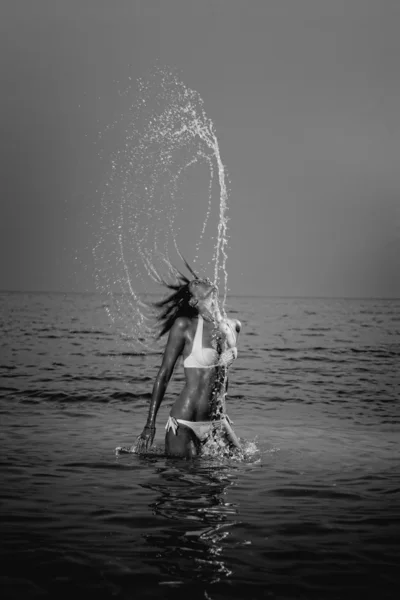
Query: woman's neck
x=209 y=314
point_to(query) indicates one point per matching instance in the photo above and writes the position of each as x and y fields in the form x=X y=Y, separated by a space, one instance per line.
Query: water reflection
x=195 y=530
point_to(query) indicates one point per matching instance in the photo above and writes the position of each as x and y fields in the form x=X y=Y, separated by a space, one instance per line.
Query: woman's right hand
x=145 y=439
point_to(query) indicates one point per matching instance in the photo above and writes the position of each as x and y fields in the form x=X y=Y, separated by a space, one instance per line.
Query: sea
x=311 y=511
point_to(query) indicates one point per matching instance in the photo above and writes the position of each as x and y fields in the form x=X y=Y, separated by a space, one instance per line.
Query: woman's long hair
x=175 y=305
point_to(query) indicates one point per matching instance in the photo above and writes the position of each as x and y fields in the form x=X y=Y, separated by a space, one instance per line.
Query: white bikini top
x=201 y=358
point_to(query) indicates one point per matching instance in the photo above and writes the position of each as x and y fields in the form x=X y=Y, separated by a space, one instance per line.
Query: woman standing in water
x=207 y=343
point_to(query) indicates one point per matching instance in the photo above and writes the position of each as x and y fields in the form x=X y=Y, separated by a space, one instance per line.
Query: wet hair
x=175 y=305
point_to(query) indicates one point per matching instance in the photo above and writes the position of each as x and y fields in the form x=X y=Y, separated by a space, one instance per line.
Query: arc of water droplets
x=168 y=133
x=205 y=130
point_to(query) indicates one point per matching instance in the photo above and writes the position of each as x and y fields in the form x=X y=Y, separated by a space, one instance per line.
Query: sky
x=305 y=98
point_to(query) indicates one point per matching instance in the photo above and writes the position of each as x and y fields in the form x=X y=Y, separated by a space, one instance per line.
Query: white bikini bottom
x=202 y=429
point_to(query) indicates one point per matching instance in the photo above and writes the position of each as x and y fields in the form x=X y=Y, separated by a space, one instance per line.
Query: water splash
x=214 y=448
x=141 y=230
x=217 y=447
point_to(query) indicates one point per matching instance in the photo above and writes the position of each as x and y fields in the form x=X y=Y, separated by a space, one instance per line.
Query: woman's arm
x=230 y=329
x=173 y=349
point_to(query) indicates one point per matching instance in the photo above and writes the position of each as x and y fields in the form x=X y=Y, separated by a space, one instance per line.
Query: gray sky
x=305 y=97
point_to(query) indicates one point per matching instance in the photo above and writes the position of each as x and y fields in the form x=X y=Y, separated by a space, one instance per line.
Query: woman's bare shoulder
x=181 y=324
x=179 y=330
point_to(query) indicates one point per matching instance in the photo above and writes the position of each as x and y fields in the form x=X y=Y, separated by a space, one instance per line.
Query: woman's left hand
x=227 y=357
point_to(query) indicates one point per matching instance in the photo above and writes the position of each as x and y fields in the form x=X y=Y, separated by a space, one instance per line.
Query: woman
x=207 y=343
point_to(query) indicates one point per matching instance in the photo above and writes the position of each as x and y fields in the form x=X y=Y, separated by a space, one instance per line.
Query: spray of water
x=138 y=246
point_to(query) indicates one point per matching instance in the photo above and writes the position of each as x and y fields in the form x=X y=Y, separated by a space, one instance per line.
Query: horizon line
x=277 y=296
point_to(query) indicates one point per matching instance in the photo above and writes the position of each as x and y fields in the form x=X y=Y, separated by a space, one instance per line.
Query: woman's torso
x=203 y=381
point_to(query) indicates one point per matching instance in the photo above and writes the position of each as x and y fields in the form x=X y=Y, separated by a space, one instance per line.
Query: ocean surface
x=313 y=511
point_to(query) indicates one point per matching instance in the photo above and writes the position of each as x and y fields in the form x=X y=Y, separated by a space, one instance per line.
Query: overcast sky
x=305 y=97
